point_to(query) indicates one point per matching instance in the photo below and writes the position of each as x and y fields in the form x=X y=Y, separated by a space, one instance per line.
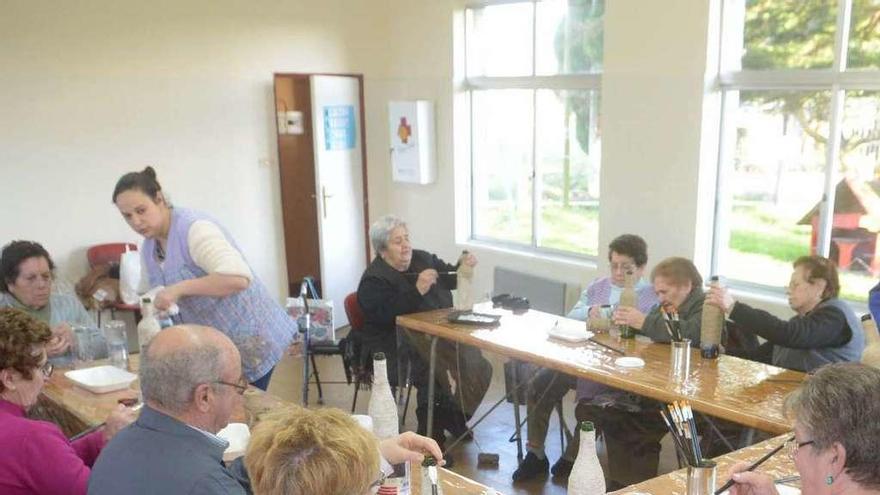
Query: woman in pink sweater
x=35 y=456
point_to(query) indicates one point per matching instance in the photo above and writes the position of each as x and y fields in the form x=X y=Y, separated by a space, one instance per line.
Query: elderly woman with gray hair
x=836 y=435
x=403 y=280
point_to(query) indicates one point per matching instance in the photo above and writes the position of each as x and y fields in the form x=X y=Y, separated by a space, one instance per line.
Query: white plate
x=238 y=435
x=629 y=362
x=570 y=334
x=101 y=379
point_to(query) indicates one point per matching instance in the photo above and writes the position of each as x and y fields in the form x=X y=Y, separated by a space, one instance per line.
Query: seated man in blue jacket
x=191 y=379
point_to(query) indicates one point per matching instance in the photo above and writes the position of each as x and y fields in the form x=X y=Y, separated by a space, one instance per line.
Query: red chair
x=111 y=253
x=356 y=322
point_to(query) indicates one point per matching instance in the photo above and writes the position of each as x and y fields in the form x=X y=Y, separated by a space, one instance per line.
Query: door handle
x=324 y=197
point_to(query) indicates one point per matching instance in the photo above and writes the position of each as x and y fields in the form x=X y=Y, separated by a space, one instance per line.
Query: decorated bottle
x=382 y=407
x=871 y=354
x=464 y=296
x=628 y=299
x=149 y=326
x=586 y=476
x=711 y=326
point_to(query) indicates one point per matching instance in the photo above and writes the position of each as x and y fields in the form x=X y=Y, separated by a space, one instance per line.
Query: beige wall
x=92 y=89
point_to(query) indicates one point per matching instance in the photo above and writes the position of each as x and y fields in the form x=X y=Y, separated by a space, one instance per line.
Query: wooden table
x=675 y=483
x=76 y=409
x=738 y=390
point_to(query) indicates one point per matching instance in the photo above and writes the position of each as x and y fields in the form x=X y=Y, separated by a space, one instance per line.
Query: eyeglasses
x=793 y=445
x=374 y=488
x=623 y=267
x=240 y=387
x=47 y=368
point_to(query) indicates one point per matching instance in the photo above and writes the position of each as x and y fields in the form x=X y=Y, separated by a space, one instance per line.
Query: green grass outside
x=574 y=229
x=764 y=246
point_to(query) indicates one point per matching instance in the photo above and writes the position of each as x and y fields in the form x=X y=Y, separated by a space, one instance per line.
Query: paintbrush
x=97 y=427
x=610 y=348
x=757 y=463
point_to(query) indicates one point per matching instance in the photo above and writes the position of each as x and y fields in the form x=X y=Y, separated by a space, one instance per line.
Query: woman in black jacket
x=403 y=280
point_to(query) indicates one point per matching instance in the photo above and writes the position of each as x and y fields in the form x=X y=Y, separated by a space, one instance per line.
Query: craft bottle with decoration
x=871 y=354
x=628 y=299
x=382 y=407
x=711 y=326
x=149 y=325
x=586 y=476
x=464 y=295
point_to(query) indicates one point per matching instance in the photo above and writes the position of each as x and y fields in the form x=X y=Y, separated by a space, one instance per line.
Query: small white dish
x=238 y=435
x=569 y=334
x=101 y=379
x=629 y=362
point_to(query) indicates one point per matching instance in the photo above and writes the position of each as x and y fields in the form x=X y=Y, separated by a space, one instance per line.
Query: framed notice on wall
x=411 y=125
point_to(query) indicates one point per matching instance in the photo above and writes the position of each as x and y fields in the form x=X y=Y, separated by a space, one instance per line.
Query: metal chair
x=312 y=349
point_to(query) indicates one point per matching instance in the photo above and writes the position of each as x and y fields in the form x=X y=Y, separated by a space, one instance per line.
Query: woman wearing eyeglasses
x=823 y=331
x=27 y=271
x=836 y=435
x=36 y=457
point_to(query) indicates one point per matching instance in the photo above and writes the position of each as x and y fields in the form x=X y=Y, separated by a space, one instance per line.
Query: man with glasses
x=626 y=253
x=191 y=380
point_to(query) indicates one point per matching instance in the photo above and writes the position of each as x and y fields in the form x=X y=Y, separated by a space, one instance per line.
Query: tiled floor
x=490 y=436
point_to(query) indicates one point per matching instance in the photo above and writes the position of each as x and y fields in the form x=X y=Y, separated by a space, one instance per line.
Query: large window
x=799 y=168
x=533 y=77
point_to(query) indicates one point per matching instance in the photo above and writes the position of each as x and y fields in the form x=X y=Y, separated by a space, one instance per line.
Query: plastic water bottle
x=382 y=407
x=149 y=326
x=711 y=326
x=586 y=476
x=117 y=343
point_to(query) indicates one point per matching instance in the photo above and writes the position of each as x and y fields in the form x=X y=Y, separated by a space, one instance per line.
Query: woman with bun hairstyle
x=204 y=273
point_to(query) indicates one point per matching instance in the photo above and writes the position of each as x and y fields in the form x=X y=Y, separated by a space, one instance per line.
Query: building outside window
x=799 y=165
x=533 y=79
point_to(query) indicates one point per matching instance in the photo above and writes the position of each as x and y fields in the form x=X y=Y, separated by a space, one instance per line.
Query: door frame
x=363 y=132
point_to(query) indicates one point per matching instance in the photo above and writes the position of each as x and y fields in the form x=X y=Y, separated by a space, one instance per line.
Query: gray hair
x=170 y=379
x=381 y=229
x=841 y=403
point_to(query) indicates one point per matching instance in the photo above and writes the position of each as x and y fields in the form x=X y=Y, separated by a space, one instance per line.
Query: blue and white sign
x=339 y=131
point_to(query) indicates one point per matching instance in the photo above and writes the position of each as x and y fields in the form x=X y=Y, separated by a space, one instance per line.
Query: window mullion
x=841 y=37
x=826 y=218
x=535 y=178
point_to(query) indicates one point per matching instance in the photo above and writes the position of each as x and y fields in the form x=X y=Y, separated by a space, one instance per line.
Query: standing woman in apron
x=205 y=274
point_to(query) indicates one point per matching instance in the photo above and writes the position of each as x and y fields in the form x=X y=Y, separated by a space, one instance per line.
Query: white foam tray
x=101 y=379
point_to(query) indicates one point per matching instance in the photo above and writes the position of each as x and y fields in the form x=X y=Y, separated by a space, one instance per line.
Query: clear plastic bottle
x=871 y=354
x=586 y=476
x=149 y=326
x=711 y=326
x=382 y=407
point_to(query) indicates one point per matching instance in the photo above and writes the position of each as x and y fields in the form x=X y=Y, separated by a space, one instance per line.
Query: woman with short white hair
x=403 y=280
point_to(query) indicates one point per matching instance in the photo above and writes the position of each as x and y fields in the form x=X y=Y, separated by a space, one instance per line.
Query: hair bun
x=150 y=172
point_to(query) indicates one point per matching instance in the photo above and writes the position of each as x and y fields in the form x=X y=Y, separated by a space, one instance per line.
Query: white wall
x=93 y=89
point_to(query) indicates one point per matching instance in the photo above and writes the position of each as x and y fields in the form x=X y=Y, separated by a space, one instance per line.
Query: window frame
x=470 y=84
x=732 y=78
